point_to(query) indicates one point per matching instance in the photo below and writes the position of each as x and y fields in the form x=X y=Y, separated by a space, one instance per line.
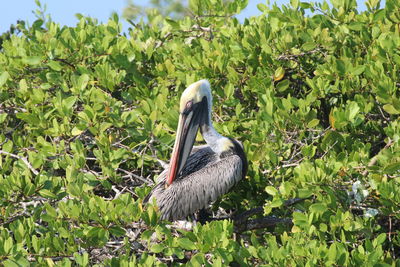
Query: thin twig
x=132 y=175
x=65 y=62
x=5 y=140
x=24 y=160
x=259 y=210
x=260 y=223
x=373 y=161
x=295 y=56
x=241 y=222
x=163 y=164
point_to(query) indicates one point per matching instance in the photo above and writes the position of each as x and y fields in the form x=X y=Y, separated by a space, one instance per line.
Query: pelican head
x=195 y=110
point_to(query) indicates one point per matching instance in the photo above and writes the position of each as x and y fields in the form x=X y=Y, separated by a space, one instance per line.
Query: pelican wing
x=194 y=190
x=199 y=158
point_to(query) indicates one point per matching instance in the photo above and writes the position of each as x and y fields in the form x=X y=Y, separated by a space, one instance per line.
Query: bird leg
x=203 y=216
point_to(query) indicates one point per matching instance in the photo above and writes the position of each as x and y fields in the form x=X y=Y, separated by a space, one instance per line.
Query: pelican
x=196 y=178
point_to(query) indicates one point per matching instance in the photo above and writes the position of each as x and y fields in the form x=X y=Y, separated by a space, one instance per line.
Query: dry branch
x=135 y=176
x=241 y=222
x=373 y=161
x=260 y=223
x=24 y=160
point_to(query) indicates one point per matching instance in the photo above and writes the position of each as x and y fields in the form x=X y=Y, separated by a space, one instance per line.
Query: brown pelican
x=193 y=180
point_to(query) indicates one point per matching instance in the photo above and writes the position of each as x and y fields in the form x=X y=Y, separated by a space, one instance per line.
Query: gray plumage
x=204 y=178
x=197 y=176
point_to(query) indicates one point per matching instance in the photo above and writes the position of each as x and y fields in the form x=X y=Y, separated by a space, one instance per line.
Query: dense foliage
x=86 y=113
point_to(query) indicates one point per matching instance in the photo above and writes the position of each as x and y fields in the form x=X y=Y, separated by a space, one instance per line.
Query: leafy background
x=88 y=112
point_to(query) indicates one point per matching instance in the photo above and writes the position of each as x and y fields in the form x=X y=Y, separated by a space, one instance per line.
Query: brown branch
x=326 y=14
x=260 y=223
x=135 y=176
x=258 y=210
x=295 y=56
x=24 y=160
x=383 y=114
x=62 y=60
x=248 y=213
x=32 y=257
x=159 y=43
x=241 y=222
x=162 y=163
x=15 y=217
x=293 y=160
x=5 y=141
x=373 y=161
x=214 y=16
x=293 y=201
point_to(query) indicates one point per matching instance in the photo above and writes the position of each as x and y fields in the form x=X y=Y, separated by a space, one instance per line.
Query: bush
x=86 y=113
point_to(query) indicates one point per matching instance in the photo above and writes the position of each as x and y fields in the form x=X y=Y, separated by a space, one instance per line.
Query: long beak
x=185 y=137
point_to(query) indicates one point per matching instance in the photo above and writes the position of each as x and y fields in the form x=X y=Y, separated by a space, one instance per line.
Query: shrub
x=87 y=111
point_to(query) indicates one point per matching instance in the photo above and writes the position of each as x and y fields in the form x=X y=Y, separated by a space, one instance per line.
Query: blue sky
x=63 y=11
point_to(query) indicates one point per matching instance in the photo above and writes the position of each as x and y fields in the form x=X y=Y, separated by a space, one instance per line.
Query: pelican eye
x=189 y=104
x=188 y=107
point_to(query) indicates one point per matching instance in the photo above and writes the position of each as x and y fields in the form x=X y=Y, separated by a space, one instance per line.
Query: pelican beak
x=189 y=121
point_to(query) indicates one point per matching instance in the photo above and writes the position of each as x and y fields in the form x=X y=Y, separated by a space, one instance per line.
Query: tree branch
x=241 y=222
x=260 y=223
x=24 y=160
x=135 y=176
x=373 y=161
x=295 y=56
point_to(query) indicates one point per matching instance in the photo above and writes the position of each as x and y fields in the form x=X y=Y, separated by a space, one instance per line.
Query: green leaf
x=3 y=117
x=7 y=245
x=302 y=86
x=332 y=252
x=4 y=77
x=295 y=3
x=50 y=210
x=356 y=26
x=55 y=65
x=358 y=70
x=23 y=87
x=392 y=168
x=300 y=219
x=186 y=243
x=47 y=193
x=279 y=74
x=379 y=15
x=318 y=208
x=271 y=190
x=308 y=46
x=69 y=102
x=36 y=243
x=94 y=232
x=83 y=259
x=33 y=60
x=76 y=131
x=313 y=123
x=276 y=202
x=30 y=118
x=198 y=259
x=391 y=109
x=262 y=7
x=8 y=146
x=283 y=85
x=157 y=248
x=116 y=230
x=340 y=67
x=173 y=23
x=380 y=239
x=353 y=110
x=83 y=81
